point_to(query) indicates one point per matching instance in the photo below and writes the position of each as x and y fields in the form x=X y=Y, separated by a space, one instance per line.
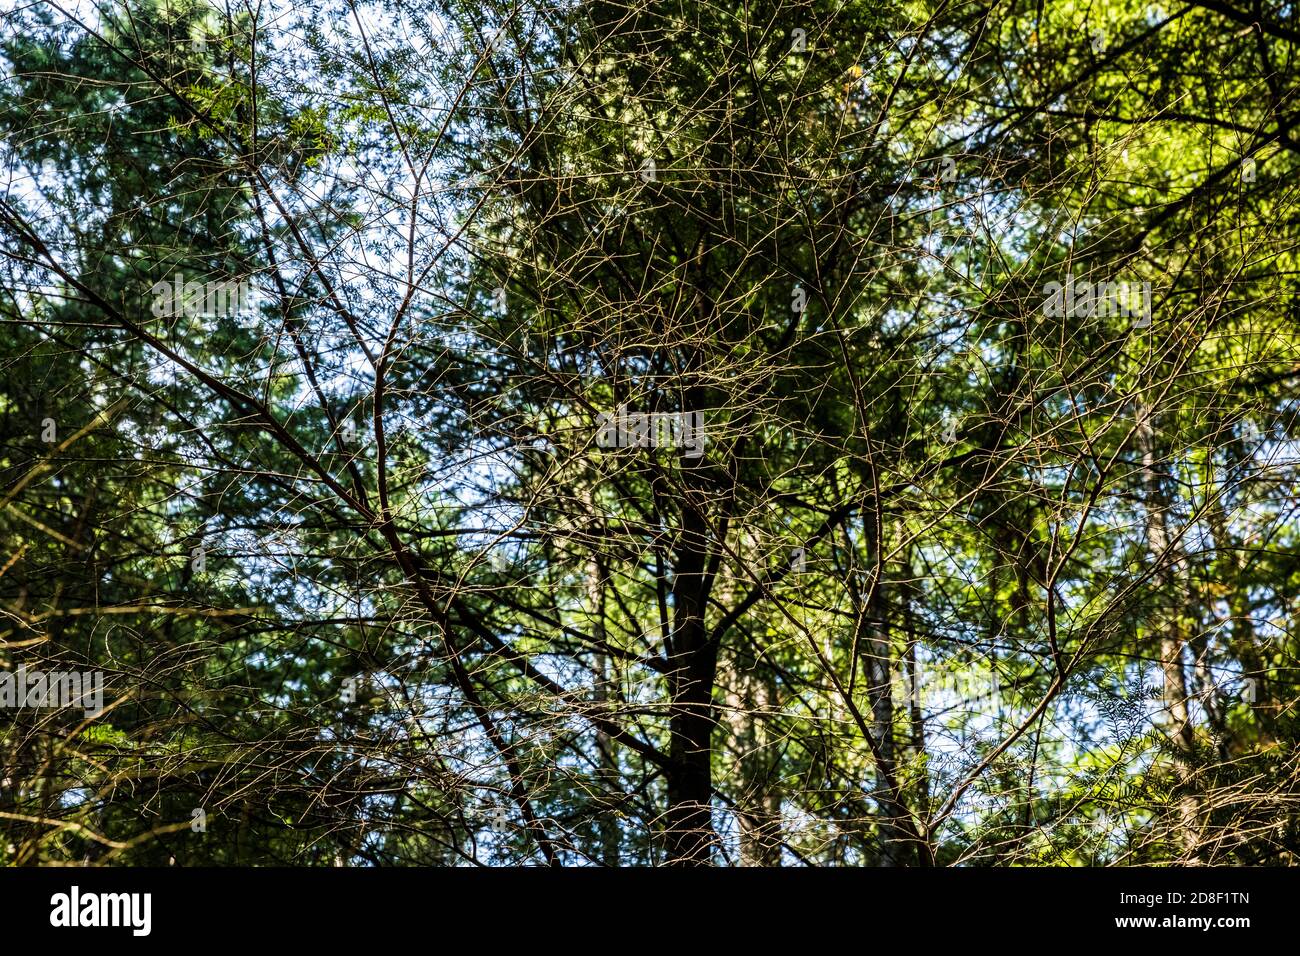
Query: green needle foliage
x=649 y=433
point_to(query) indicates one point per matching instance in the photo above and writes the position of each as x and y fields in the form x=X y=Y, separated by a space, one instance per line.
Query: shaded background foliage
x=957 y=580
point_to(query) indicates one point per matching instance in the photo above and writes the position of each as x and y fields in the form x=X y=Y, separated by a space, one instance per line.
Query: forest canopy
x=801 y=433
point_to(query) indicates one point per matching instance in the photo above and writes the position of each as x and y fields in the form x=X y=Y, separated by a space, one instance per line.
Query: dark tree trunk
x=693 y=664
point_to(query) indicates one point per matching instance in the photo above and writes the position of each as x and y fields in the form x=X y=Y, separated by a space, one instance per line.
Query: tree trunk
x=692 y=667
x=1172 y=632
x=758 y=807
x=896 y=849
x=606 y=758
